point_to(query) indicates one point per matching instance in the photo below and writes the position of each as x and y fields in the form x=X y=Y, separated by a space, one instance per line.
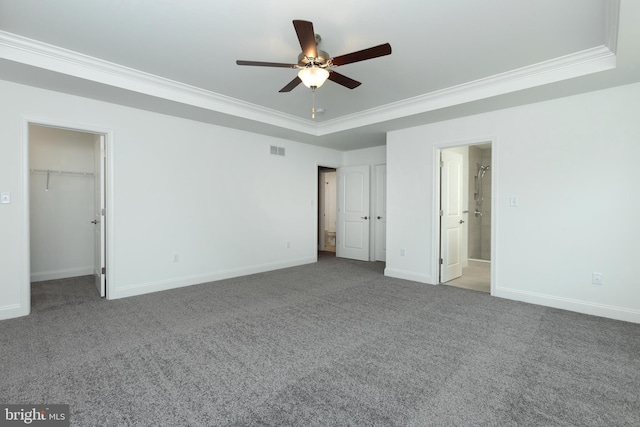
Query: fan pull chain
x=313 y=106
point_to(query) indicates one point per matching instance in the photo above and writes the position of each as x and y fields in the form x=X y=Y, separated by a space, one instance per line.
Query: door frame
x=322 y=206
x=495 y=167
x=316 y=202
x=378 y=193
x=25 y=294
x=372 y=195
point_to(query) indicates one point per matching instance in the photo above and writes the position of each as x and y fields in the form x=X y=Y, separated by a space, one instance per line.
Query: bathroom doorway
x=465 y=220
x=327 y=209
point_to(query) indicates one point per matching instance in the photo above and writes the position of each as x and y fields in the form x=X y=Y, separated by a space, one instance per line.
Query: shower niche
x=479 y=243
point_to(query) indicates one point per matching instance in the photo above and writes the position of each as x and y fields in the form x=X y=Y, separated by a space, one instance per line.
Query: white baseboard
x=408 y=275
x=13 y=310
x=61 y=274
x=585 y=307
x=163 y=285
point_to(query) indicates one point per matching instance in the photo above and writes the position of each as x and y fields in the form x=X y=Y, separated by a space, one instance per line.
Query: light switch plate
x=5 y=197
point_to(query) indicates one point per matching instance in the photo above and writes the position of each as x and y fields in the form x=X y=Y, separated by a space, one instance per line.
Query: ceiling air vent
x=277 y=151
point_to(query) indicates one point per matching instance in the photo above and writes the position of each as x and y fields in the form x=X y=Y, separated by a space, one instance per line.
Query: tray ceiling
x=449 y=58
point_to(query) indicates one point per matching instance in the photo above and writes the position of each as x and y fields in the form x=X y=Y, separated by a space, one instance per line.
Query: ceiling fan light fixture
x=313 y=77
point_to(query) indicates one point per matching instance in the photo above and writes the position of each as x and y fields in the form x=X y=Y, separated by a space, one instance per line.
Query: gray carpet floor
x=328 y=344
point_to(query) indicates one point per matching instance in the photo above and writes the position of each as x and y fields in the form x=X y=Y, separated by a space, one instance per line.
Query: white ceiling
x=450 y=58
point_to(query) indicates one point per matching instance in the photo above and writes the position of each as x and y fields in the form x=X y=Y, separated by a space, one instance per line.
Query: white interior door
x=98 y=216
x=451 y=219
x=353 y=213
x=381 y=213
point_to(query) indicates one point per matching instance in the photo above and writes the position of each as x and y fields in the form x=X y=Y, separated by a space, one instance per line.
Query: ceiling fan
x=316 y=65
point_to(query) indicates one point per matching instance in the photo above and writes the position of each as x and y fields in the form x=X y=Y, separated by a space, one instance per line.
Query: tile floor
x=476 y=276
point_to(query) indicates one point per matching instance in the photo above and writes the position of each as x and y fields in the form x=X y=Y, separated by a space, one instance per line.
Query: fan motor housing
x=320 y=60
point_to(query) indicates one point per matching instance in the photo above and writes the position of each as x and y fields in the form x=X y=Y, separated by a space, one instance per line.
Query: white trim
x=109 y=193
x=409 y=275
x=374 y=206
x=571 y=304
x=25 y=264
x=12 y=311
x=611 y=23
x=61 y=274
x=435 y=202
x=198 y=279
x=569 y=66
x=32 y=52
x=49 y=57
x=495 y=212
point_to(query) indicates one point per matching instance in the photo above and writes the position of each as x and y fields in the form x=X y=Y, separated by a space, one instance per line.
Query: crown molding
x=566 y=67
x=34 y=53
x=53 y=58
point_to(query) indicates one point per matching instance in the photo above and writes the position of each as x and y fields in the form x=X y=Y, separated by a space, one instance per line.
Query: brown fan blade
x=343 y=80
x=292 y=84
x=307 y=38
x=361 y=55
x=265 y=64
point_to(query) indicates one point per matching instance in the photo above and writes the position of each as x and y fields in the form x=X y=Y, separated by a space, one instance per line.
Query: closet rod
x=60 y=172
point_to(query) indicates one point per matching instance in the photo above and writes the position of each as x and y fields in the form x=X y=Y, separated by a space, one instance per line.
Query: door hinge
x=441 y=164
x=441 y=212
x=104 y=270
x=103 y=211
x=441 y=261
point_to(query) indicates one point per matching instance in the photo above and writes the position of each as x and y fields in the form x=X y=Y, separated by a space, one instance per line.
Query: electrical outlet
x=176 y=258
x=597 y=279
x=403 y=252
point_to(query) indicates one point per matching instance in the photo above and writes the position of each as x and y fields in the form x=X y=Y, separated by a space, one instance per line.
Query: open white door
x=451 y=205
x=353 y=213
x=98 y=217
x=381 y=213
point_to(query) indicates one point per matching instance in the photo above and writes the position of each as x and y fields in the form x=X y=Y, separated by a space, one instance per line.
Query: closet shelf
x=59 y=172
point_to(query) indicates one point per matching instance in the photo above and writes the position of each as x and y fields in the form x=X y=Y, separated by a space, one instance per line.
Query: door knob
x=364 y=217
x=461 y=222
x=379 y=217
x=95 y=221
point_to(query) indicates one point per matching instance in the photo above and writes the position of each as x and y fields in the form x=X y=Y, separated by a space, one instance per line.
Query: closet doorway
x=67 y=204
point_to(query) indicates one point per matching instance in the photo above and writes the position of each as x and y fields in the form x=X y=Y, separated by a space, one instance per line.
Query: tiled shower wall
x=480 y=226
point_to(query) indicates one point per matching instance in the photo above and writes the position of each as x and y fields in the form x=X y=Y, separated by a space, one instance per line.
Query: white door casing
x=451 y=218
x=321 y=210
x=381 y=213
x=99 y=217
x=353 y=213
